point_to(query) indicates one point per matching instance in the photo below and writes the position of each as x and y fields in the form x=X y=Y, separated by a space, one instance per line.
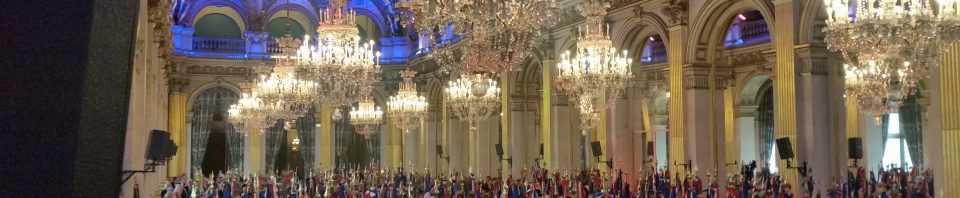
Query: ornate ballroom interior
x=697 y=87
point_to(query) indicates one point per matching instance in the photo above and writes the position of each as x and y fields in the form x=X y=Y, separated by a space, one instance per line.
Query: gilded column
x=394 y=145
x=950 y=120
x=601 y=134
x=505 y=124
x=648 y=130
x=785 y=97
x=729 y=137
x=443 y=133
x=177 y=125
x=545 y=105
x=326 y=138
x=675 y=61
x=422 y=159
x=472 y=144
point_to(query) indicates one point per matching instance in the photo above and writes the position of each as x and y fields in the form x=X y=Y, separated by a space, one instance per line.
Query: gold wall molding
x=218 y=70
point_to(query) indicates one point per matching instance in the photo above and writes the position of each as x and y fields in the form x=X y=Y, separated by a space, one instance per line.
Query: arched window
x=278 y=28
x=217 y=25
x=895 y=152
x=654 y=51
x=747 y=28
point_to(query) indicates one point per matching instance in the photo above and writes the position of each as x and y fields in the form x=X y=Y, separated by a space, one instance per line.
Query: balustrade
x=219 y=45
x=749 y=33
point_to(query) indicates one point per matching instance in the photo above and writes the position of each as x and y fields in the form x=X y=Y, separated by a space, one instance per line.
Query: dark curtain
x=353 y=149
x=911 y=127
x=884 y=133
x=764 y=120
x=235 y=147
x=209 y=103
x=274 y=136
x=306 y=130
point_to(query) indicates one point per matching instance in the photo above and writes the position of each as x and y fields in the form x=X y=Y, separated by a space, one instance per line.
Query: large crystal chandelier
x=473 y=97
x=496 y=52
x=251 y=114
x=340 y=64
x=407 y=108
x=889 y=45
x=871 y=86
x=366 y=116
x=525 y=15
x=286 y=95
x=597 y=70
x=505 y=29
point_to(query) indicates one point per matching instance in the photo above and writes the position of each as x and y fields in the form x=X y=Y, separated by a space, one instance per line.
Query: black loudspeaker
x=499 y=148
x=595 y=146
x=855 y=148
x=784 y=148
x=159 y=146
x=439 y=150
x=541 y=149
x=650 y=151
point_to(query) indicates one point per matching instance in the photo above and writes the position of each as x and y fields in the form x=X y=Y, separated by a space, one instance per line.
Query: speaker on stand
x=855 y=149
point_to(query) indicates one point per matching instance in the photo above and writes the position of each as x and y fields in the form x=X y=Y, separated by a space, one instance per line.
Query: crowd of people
x=750 y=182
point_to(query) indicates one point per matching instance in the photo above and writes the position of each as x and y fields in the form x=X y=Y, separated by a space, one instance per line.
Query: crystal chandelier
x=464 y=15
x=366 y=117
x=289 y=96
x=337 y=61
x=250 y=115
x=282 y=94
x=871 y=87
x=407 y=108
x=503 y=29
x=496 y=52
x=598 y=70
x=890 y=42
x=473 y=97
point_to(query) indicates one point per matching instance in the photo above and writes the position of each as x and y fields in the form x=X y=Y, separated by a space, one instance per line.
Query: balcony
x=747 y=33
x=219 y=45
x=257 y=45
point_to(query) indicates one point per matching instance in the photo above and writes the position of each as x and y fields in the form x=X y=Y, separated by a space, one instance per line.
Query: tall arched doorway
x=215 y=147
x=755 y=122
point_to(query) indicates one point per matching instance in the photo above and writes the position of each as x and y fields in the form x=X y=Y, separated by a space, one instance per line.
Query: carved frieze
x=218 y=70
x=698 y=77
x=736 y=60
x=811 y=60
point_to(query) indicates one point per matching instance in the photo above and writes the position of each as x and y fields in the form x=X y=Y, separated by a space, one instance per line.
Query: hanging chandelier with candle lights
x=366 y=116
x=467 y=15
x=340 y=64
x=890 y=46
x=473 y=97
x=598 y=70
x=407 y=108
x=504 y=30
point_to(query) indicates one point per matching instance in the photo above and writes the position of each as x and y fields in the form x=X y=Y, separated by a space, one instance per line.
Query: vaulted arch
x=712 y=21
x=305 y=18
x=228 y=8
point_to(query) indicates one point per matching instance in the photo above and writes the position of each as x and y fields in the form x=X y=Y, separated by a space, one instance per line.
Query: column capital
x=178 y=84
x=676 y=11
x=811 y=59
x=697 y=76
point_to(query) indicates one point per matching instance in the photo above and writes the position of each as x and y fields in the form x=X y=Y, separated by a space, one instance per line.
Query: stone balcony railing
x=258 y=45
x=750 y=33
x=225 y=45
